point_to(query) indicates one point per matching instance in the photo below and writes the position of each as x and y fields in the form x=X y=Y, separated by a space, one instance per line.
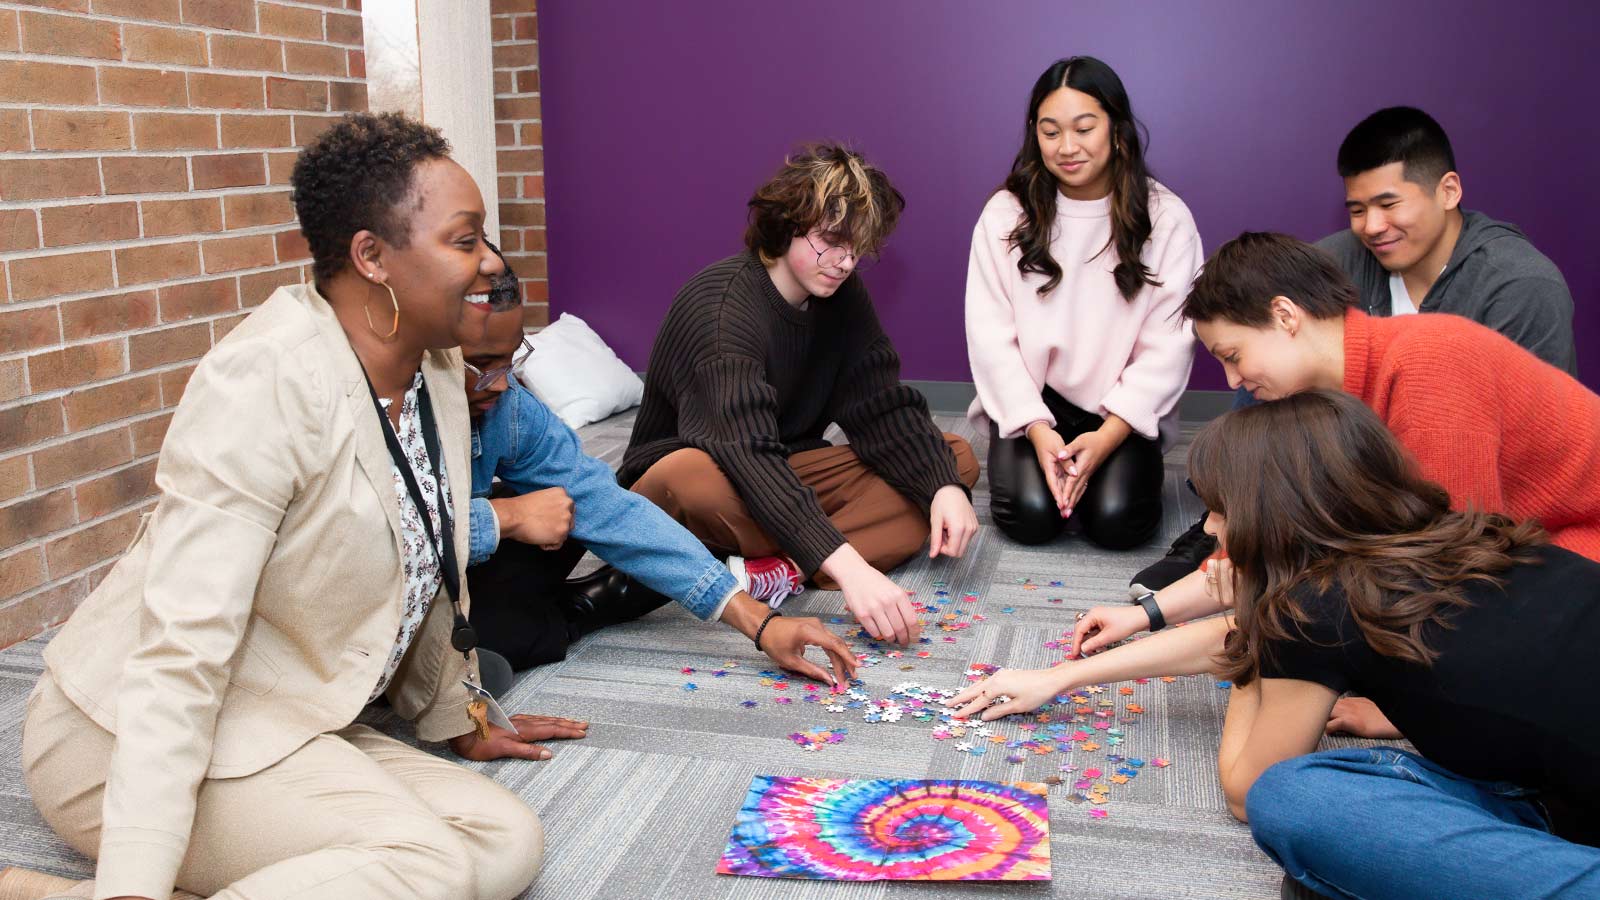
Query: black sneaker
x=1187 y=553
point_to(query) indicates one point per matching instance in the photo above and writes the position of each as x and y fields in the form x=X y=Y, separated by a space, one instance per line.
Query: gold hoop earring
x=395 y=327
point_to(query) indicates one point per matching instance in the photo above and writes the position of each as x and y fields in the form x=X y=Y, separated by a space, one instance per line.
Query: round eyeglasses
x=490 y=376
x=832 y=257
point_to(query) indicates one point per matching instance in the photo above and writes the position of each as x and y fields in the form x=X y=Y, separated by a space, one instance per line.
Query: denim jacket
x=527 y=447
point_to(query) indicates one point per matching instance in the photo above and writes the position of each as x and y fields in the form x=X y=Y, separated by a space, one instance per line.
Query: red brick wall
x=520 y=159
x=145 y=150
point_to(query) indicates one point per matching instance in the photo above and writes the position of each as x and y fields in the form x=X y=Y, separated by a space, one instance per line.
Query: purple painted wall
x=661 y=118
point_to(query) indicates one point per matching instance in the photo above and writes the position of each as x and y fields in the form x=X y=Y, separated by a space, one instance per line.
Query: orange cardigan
x=1499 y=428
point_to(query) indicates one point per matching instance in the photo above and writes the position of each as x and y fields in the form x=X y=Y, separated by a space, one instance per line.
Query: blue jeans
x=1381 y=822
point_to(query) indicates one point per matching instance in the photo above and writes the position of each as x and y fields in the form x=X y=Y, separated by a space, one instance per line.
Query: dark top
x=740 y=374
x=1511 y=695
x=1494 y=277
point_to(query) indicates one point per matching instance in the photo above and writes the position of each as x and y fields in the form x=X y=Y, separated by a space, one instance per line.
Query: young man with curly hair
x=758 y=355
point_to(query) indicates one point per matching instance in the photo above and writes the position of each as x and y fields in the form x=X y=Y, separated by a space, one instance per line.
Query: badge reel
x=497 y=715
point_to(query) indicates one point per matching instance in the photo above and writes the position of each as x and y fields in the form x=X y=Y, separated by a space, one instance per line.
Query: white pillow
x=575 y=374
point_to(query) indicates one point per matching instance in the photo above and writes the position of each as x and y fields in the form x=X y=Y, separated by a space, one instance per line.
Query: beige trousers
x=351 y=815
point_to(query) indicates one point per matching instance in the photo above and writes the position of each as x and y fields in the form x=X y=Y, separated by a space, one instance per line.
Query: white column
x=432 y=60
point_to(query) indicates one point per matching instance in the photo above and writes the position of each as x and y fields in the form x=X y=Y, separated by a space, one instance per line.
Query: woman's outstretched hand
x=502 y=743
x=1025 y=689
x=1105 y=625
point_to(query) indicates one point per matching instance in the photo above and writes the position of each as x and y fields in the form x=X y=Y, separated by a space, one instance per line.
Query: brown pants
x=883 y=526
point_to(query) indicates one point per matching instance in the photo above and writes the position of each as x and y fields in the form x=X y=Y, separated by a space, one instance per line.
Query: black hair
x=358 y=175
x=1035 y=188
x=1398 y=134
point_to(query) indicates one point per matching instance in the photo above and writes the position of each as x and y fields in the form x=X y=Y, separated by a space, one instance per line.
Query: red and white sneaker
x=769 y=578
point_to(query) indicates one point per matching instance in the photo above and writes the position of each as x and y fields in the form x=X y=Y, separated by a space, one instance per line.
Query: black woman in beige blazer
x=194 y=724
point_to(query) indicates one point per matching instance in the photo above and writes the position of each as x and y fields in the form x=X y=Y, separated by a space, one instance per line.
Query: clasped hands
x=1068 y=466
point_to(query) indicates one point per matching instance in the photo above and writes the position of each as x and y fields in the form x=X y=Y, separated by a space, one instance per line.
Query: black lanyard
x=462 y=636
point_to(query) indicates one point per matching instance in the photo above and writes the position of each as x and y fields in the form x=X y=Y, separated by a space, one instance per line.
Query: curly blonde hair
x=825 y=187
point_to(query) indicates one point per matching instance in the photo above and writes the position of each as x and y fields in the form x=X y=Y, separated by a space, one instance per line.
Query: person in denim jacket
x=553 y=502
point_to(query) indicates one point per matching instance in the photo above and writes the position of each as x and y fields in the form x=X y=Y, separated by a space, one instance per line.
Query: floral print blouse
x=421 y=563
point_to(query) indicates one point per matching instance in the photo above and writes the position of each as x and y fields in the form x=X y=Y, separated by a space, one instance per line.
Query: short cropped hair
x=358 y=175
x=1402 y=134
x=825 y=187
x=1238 y=282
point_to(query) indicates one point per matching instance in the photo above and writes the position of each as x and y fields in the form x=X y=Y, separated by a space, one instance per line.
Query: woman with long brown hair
x=1349 y=571
x=1079 y=264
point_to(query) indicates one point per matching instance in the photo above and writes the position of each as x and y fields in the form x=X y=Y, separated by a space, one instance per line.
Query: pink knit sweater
x=1100 y=352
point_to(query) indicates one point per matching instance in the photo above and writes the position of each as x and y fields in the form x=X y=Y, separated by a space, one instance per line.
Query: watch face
x=1135 y=591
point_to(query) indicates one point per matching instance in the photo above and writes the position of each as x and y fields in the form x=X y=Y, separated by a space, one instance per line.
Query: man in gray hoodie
x=1411 y=247
x=1410 y=238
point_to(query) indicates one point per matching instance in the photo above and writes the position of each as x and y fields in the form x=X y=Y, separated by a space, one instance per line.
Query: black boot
x=605 y=597
x=1187 y=553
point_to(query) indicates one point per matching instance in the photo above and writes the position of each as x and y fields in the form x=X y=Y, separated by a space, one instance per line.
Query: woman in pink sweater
x=1078 y=269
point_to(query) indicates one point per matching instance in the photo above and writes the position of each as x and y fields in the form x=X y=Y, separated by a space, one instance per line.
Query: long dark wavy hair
x=1035 y=188
x=1317 y=494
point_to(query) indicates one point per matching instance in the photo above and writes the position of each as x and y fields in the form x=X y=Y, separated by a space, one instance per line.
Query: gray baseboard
x=955 y=396
x=949 y=397
x=1203 y=406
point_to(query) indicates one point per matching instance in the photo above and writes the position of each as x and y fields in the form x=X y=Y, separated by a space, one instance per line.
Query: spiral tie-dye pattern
x=880 y=829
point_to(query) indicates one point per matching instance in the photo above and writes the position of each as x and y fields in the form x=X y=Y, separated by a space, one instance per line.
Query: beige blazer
x=260 y=599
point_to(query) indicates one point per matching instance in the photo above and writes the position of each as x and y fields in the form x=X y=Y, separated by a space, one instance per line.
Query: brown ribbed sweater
x=740 y=374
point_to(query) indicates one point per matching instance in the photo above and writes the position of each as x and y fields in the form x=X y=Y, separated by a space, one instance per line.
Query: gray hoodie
x=1495 y=277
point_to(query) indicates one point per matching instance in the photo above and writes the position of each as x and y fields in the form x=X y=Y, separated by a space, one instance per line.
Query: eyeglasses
x=1190 y=485
x=831 y=257
x=486 y=378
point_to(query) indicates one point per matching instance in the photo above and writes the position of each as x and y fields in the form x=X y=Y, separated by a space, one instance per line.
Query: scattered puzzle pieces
x=815 y=739
x=1088 y=720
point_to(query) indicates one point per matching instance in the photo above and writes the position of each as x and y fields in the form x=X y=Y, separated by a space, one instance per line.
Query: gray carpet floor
x=643 y=806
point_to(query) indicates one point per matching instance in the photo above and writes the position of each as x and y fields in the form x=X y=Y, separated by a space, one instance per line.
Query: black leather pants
x=1120 y=507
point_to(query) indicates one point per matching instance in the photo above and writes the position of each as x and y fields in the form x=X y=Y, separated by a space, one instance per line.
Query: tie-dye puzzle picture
x=839 y=829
